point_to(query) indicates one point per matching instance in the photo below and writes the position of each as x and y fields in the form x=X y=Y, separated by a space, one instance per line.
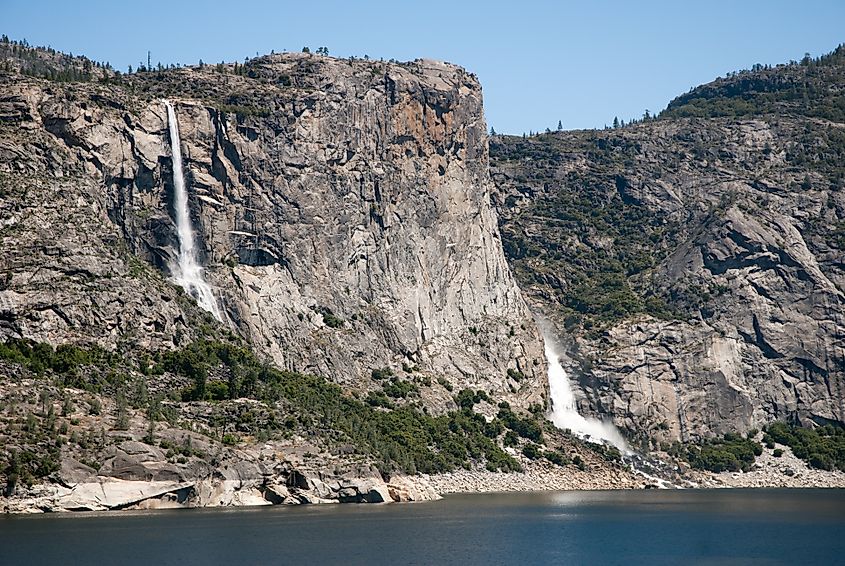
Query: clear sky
x=539 y=62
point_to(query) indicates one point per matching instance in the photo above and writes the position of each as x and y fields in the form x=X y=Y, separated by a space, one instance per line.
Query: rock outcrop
x=107 y=493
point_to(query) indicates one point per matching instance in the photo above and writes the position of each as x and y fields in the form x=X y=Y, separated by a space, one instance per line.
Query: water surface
x=627 y=527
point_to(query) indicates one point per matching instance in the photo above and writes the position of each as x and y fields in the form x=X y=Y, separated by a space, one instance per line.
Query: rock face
x=694 y=264
x=341 y=209
x=104 y=492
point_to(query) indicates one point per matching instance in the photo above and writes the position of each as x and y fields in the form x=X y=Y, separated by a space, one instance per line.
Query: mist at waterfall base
x=564 y=413
x=187 y=273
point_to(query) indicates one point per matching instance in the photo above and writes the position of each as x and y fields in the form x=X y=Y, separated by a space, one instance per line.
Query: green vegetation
x=242 y=111
x=400 y=438
x=801 y=88
x=526 y=427
x=730 y=453
x=467 y=398
x=584 y=227
x=822 y=447
x=379 y=399
x=47 y=63
x=531 y=451
x=28 y=465
x=67 y=359
x=584 y=235
x=556 y=457
x=399 y=388
x=185 y=449
x=230 y=439
x=513 y=374
x=380 y=374
x=329 y=318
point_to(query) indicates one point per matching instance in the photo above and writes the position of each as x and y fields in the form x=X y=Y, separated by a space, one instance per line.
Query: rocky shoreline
x=538 y=476
x=296 y=487
x=113 y=494
x=313 y=487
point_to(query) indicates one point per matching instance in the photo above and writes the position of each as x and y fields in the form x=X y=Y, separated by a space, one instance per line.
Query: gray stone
x=365 y=195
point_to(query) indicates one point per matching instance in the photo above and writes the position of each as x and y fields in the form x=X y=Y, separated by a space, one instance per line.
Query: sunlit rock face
x=341 y=215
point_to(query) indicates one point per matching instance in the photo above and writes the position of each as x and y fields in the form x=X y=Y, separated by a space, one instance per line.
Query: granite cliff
x=341 y=209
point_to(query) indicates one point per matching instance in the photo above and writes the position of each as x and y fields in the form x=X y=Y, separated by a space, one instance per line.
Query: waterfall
x=187 y=273
x=564 y=413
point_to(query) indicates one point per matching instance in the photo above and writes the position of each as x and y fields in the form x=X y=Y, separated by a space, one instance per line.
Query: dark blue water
x=643 y=527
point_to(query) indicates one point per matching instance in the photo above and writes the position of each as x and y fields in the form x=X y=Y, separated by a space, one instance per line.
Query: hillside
x=695 y=260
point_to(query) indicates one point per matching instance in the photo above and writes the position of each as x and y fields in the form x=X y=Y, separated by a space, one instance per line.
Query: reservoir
x=620 y=527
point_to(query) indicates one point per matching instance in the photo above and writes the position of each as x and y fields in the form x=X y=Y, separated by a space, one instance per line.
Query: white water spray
x=564 y=413
x=188 y=273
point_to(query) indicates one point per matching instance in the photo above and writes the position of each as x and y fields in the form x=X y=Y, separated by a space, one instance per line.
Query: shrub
x=381 y=374
x=379 y=399
x=399 y=388
x=400 y=439
x=731 y=453
x=556 y=457
x=822 y=447
x=525 y=427
x=515 y=375
x=467 y=398
x=217 y=390
x=66 y=359
x=531 y=451
x=95 y=407
x=332 y=321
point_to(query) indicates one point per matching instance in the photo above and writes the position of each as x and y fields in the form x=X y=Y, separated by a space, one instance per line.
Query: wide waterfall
x=564 y=413
x=188 y=273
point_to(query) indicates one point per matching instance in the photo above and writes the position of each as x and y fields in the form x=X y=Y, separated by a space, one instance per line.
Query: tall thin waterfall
x=564 y=413
x=188 y=273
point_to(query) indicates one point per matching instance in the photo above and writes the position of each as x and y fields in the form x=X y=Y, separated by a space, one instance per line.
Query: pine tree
x=559 y=125
x=121 y=412
x=615 y=122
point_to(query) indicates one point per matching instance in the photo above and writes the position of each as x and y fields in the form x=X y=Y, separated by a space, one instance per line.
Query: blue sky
x=539 y=62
